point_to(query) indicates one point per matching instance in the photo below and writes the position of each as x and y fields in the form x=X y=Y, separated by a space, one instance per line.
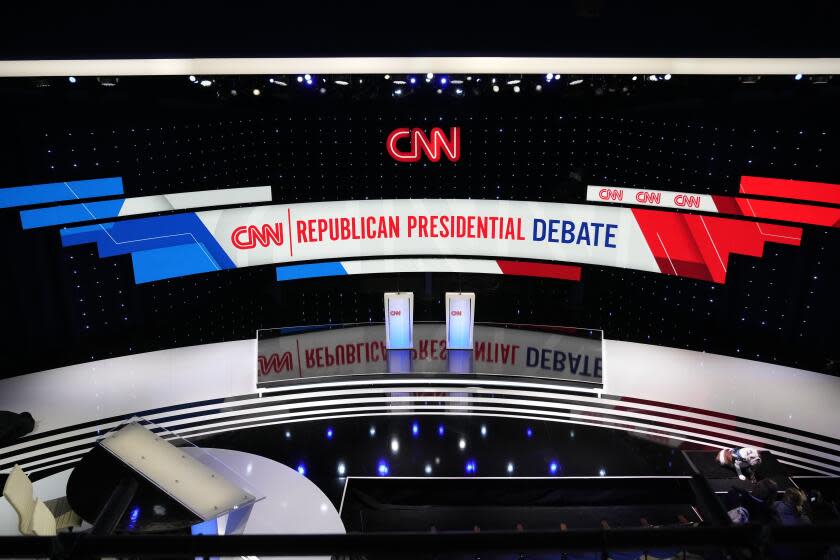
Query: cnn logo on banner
x=433 y=146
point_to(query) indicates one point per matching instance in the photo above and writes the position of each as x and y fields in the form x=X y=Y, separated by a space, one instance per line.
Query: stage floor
x=330 y=451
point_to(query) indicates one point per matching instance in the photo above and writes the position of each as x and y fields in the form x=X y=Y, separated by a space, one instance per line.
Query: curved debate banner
x=688 y=245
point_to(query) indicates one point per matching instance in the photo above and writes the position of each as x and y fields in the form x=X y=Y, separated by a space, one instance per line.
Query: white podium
x=460 y=319
x=399 y=320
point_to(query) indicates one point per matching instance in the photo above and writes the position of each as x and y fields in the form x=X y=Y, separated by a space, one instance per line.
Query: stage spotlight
x=483 y=430
x=206 y=83
x=440 y=430
x=382 y=468
x=439 y=90
x=470 y=467
x=798 y=77
x=341 y=469
x=301 y=468
x=323 y=90
x=395 y=445
x=575 y=82
x=634 y=78
x=667 y=76
x=397 y=91
x=271 y=80
x=539 y=87
x=462 y=443
x=372 y=431
x=510 y=468
x=387 y=76
x=412 y=80
x=342 y=83
x=256 y=91
x=552 y=467
x=652 y=77
x=572 y=434
x=307 y=77
x=556 y=76
x=428 y=469
x=548 y=77
x=288 y=434
x=429 y=77
x=496 y=88
x=309 y=82
x=72 y=79
x=513 y=82
x=300 y=79
x=415 y=429
x=529 y=432
x=329 y=433
x=192 y=78
x=516 y=89
x=443 y=81
x=602 y=472
x=459 y=91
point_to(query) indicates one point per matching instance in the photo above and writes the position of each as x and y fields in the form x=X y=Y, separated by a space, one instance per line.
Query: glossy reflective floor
x=529 y=352
x=328 y=452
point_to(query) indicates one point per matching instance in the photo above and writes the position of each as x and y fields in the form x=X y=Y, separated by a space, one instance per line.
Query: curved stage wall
x=668 y=394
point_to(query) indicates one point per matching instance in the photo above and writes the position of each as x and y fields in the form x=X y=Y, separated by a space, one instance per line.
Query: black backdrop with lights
x=167 y=134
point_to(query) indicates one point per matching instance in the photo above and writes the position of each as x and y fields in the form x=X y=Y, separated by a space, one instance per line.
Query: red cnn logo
x=687 y=200
x=611 y=194
x=275 y=363
x=247 y=237
x=395 y=313
x=456 y=313
x=432 y=147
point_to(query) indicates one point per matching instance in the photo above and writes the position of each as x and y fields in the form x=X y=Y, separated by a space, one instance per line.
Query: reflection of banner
x=496 y=350
x=169 y=246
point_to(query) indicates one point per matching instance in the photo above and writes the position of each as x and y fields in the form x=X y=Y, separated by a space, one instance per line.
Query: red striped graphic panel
x=778 y=210
x=695 y=246
x=787 y=188
x=543 y=270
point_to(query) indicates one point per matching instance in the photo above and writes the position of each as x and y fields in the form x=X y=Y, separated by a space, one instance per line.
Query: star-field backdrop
x=325 y=141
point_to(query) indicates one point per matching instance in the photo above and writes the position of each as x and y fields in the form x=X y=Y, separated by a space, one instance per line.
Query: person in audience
x=579 y=555
x=756 y=503
x=743 y=459
x=14 y=425
x=820 y=510
x=739 y=515
x=789 y=510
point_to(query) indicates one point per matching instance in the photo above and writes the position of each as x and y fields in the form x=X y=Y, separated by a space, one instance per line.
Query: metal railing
x=759 y=541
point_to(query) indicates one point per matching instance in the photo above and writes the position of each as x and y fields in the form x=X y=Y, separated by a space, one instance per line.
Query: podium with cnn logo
x=399 y=320
x=460 y=319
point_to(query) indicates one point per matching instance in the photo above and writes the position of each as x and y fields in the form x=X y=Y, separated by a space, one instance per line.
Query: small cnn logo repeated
x=433 y=146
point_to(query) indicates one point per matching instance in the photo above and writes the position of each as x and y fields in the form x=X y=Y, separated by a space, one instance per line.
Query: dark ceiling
x=155 y=28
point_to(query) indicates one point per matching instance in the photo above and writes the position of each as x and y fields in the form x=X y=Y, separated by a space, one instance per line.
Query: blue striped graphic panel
x=70 y=213
x=171 y=262
x=314 y=270
x=13 y=197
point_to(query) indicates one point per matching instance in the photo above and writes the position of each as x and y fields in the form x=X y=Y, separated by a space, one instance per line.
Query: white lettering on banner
x=361 y=350
x=576 y=233
x=649 y=197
